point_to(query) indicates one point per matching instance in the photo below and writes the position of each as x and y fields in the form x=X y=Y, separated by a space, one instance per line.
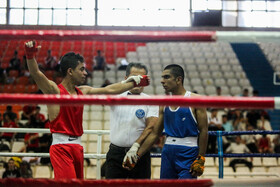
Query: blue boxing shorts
x=176 y=161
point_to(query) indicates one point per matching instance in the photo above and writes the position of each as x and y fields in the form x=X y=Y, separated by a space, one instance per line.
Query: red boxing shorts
x=67 y=161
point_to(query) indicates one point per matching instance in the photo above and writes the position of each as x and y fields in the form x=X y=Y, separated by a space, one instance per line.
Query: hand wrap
x=197 y=166
x=131 y=157
x=31 y=49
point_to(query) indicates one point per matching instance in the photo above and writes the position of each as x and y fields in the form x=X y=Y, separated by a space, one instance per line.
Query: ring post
x=220 y=154
x=98 y=162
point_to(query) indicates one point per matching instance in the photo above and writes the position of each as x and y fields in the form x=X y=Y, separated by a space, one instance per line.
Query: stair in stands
x=259 y=72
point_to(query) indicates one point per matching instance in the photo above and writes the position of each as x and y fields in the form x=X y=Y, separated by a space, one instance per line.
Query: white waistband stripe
x=59 y=138
x=187 y=141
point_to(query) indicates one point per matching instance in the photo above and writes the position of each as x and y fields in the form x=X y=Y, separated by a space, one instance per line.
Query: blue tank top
x=180 y=122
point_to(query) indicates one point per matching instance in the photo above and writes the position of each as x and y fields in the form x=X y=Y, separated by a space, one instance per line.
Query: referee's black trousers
x=114 y=169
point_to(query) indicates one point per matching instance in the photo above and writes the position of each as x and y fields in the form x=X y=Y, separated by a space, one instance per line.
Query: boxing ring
x=203 y=101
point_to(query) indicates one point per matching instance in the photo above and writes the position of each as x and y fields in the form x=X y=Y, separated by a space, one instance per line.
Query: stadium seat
x=199 y=89
x=90 y=172
x=210 y=90
x=32 y=88
x=193 y=75
x=22 y=80
x=269 y=161
x=13 y=73
x=220 y=82
x=19 y=88
x=8 y=88
x=42 y=171
x=49 y=74
x=205 y=74
x=156 y=172
x=232 y=82
x=235 y=90
x=5 y=65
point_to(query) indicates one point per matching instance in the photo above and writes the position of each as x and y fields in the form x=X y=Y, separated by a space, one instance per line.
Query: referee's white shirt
x=127 y=122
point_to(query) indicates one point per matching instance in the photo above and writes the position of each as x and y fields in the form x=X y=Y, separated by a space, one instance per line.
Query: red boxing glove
x=31 y=49
x=145 y=81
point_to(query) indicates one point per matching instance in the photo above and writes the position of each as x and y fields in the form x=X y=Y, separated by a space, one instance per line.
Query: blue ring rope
x=221 y=155
x=224 y=133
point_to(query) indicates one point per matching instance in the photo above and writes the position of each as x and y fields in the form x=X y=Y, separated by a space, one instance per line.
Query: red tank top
x=70 y=118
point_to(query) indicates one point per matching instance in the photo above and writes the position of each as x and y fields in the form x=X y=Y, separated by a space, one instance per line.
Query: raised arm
x=120 y=87
x=45 y=85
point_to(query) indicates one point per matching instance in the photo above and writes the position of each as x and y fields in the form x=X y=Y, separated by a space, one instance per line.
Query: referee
x=129 y=126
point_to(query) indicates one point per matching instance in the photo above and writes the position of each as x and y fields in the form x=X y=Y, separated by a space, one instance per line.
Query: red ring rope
x=203 y=101
x=20 y=182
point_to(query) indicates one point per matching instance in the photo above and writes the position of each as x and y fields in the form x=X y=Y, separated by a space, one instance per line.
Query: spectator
x=27 y=111
x=264 y=144
x=50 y=61
x=226 y=124
x=263 y=123
x=31 y=141
x=106 y=83
x=1 y=120
x=245 y=92
x=238 y=147
x=215 y=124
x=239 y=122
x=14 y=63
x=100 y=62
x=9 y=110
x=45 y=142
x=10 y=170
x=250 y=140
x=123 y=64
x=276 y=142
x=8 y=123
x=37 y=119
x=252 y=117
x=25 y=170
x=2 y=76
x=218 y=91
x=255 y=93
x=24 y=63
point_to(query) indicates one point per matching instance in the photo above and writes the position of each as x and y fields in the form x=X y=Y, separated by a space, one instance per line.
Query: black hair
x=70 y=60
x=256 y=92
x=176 y=70
x=9 y=107
x=136 y=65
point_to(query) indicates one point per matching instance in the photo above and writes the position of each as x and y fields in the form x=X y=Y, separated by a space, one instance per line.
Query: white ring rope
x=38 y=130
x=277 y=103
x=97 y=156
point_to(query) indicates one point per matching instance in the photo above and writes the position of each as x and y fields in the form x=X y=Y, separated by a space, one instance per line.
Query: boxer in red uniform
x=66 y=152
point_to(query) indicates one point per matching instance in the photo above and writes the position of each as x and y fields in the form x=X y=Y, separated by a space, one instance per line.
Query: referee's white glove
x=131 y=156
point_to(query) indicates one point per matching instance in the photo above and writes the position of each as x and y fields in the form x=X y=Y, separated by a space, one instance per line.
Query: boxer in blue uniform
x=186 y=129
